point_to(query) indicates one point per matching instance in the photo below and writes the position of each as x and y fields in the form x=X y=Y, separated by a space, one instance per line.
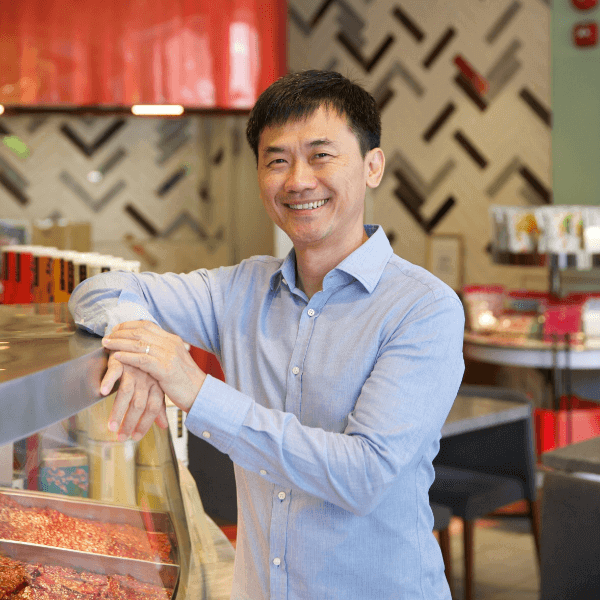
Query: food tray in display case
x=79 y=510
x=150 y=531
x=59 y=570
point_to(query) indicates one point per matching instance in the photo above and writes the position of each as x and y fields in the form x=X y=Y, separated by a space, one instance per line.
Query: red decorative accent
x=112 y=53
x=207 y=362
x=584 y=4
x=585 y=34
x=477 y=81
x=558 y=428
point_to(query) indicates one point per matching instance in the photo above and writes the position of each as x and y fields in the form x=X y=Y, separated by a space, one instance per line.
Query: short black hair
x=296 y=96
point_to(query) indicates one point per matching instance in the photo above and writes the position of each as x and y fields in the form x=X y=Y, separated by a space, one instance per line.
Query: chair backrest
x=506 y=449
x=569 y=538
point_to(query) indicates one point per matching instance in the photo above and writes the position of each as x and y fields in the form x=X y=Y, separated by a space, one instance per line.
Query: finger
x=122 y=400
x=136 y=407
x=144 y=362
x=154 y=404
x=113 y=372
x=162 y=419
x=128 y=325
x=128 y=344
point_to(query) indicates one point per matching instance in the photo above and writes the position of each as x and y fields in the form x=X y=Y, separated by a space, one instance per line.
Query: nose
x=300 y=178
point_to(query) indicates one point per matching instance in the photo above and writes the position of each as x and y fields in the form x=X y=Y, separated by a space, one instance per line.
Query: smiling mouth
x=308 y=205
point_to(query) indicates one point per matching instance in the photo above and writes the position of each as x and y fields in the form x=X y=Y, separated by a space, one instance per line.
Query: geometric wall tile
x=95 y=204
x=502 y=22
x=434 y=118
x=91 y=147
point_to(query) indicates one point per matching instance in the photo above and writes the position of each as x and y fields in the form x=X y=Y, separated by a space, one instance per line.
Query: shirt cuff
x=127 y=311
x=218 y=413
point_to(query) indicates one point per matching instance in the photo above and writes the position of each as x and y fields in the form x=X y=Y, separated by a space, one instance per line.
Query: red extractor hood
x=201 y=54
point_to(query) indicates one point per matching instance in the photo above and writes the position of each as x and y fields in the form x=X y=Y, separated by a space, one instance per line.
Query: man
x=342 y=362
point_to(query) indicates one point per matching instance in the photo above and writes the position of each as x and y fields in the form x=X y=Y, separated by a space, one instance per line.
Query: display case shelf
x=78 y=479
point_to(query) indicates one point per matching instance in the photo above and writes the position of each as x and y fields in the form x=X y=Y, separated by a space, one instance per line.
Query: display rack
x=569 y=269
x=52 y=411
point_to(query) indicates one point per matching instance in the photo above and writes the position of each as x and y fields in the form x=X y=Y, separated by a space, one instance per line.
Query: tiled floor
x=505 y=566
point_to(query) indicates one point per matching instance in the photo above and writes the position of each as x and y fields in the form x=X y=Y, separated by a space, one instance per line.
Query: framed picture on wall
x=445 y=258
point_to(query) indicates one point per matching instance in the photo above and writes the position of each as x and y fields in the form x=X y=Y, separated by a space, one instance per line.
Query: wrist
x=197 y=387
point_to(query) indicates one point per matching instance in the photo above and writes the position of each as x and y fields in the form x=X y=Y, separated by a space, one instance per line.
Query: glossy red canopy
x=198 y=53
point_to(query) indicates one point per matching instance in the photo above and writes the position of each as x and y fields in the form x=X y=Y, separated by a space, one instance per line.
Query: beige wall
x=115 y=172
x=386 y=45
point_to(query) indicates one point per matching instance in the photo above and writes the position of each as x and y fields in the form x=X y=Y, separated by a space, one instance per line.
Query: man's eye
x=321 y=155
x=277 y=161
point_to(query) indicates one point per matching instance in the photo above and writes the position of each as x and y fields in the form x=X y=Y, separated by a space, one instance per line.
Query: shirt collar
x=287 y=272
x=365 y=264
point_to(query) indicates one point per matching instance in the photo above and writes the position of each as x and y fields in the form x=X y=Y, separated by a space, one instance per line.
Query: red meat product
x=62 y=583
x=50 y=527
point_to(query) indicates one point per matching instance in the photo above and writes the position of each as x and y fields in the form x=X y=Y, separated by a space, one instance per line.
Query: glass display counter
x=81 y=514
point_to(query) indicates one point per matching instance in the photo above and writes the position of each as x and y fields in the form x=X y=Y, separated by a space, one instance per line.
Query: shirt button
x=284 y=281
x=206 y=434
x=311 y=312
x=262 y=472
x=281 y=495
x=295 y=370
x=276 y=561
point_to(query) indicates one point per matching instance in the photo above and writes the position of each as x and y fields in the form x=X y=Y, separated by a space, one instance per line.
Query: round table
x=581 y=362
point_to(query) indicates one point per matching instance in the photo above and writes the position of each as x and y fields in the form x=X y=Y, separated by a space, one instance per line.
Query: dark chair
x=441 y=524
x=570 y=538
x=481 y=471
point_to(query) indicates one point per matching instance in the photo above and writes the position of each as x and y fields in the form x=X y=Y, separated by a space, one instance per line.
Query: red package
x=563 y=317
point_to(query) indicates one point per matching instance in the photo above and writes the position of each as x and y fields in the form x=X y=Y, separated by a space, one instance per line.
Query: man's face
x=316 y=161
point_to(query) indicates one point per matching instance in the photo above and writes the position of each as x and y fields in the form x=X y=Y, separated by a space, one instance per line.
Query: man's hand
x=138 y=403
x=163 y=356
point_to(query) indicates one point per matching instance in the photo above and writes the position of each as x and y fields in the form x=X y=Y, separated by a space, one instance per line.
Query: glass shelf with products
x=80 y=512
x=563 y=238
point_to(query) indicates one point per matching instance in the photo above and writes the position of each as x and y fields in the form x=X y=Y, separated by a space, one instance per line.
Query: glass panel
x=80 y=511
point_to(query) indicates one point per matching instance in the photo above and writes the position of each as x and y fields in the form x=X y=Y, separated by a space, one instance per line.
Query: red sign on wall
x=584 y=4
x=585 y=34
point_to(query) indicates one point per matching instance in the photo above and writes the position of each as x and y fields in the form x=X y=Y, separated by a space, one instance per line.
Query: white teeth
x=309 y=205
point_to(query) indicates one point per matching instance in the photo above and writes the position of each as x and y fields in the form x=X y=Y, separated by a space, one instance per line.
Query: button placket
x=277 y=542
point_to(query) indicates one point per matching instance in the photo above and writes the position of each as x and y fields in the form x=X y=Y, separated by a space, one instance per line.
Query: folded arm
x=398 y=415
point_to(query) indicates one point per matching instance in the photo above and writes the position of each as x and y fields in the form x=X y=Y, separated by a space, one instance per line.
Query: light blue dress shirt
x=331 y=412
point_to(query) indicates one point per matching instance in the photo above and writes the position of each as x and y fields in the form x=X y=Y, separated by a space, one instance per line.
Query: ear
x=374 y=166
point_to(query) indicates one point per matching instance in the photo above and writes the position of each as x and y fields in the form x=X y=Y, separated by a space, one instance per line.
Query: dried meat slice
x=134 y=588
x=13 y=577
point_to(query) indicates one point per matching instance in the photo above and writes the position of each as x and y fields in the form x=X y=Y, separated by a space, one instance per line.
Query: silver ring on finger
x=147 y=349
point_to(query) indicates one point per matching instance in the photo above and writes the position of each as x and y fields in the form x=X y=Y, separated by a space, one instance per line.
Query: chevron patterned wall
x=145 y=184
x=150 y=187
x=450 y=152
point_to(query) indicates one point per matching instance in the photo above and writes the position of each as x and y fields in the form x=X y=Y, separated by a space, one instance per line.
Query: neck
x=312 y=264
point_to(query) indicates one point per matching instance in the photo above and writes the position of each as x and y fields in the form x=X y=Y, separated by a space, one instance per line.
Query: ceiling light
x=157 y=109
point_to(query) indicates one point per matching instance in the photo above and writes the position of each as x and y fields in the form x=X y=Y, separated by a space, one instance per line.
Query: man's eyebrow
x=312 y=144
x=320 y=142
x=273 y=150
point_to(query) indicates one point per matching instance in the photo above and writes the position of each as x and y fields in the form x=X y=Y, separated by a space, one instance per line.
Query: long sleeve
x=169 y=300
x=400 y=410
x=331 y=411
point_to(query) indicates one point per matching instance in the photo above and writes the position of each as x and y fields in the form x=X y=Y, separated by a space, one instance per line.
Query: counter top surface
x=581 y=457
x=49 y=371
x=469 y=413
